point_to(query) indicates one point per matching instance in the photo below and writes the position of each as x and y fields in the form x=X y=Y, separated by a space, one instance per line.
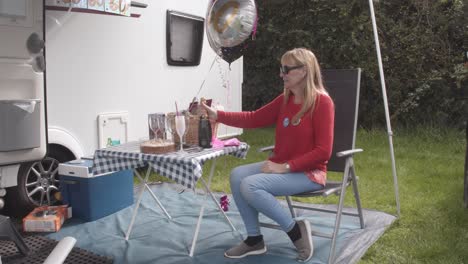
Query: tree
x=421 y=43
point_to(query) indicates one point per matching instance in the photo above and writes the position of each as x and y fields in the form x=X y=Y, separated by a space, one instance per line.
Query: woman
x=304 y=118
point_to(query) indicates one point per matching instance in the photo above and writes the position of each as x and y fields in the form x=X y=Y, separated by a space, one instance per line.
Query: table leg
x=137 y=205
x=197 y=229
x=143 y=186
x=152 y=193
x=157 y=201
x=202 y=209
x=219 y=206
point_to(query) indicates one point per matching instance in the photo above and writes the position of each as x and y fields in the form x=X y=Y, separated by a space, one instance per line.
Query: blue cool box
x=93 y=197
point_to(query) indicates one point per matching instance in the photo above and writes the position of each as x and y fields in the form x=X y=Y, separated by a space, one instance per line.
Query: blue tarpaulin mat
x=156 y=239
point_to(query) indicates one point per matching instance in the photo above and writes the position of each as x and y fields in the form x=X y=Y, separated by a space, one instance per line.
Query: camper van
x=76 y=76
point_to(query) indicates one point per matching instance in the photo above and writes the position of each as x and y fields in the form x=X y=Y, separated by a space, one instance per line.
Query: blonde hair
x=313 y=85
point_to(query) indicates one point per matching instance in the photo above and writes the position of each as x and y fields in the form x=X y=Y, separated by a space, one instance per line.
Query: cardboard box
x=96 y=5
x=46 y=219
x=112 y=6
x=74 y=3
x=94 y=196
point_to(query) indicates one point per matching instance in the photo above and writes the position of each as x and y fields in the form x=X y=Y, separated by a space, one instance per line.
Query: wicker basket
x=191 y=136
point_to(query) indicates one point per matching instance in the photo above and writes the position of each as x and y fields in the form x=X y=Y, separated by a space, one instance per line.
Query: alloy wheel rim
x=42 y=182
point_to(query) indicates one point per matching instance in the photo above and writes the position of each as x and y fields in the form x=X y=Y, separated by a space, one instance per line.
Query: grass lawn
x=433 y=227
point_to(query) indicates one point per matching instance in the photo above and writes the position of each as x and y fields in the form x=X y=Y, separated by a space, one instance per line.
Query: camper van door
x=22 y=89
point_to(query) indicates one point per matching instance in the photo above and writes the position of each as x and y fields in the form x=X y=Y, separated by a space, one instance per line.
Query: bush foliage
x=422 y=44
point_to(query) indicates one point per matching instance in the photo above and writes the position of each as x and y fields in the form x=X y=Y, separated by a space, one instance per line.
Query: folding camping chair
x=343 y=87
x=58 y=254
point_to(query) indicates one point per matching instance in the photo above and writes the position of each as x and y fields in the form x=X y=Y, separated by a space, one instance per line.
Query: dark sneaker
x=304 y=245
x=243 y=250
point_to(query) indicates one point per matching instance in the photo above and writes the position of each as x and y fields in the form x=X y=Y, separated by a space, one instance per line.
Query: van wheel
x=38 y=183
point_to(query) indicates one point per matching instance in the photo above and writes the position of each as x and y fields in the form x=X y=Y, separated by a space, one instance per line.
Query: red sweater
x=305 y=147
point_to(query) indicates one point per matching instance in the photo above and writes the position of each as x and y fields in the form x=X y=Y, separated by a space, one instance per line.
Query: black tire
x=38 y=183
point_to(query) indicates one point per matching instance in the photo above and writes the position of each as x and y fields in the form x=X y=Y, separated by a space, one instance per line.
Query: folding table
x=184 y=168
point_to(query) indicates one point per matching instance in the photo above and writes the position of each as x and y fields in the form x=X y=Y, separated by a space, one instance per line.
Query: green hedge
x=421 y=44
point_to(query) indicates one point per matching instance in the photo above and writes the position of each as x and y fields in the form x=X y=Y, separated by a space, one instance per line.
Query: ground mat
x=156 y=239
x=40 y=247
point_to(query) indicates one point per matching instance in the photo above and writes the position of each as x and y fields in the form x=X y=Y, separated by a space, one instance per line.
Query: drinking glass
x=180 y=129
x=155 y=125
x=168 y=128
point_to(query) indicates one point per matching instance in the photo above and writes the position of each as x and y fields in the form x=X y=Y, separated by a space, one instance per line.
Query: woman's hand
x=212 y=112
x=271 y=167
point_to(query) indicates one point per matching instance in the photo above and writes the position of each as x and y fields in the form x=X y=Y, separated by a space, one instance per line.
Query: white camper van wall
x=230 y=26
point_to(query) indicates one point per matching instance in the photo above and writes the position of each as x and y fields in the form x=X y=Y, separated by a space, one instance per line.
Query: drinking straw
x=177 y=109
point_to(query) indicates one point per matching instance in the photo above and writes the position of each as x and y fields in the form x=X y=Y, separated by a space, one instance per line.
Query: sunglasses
x=286 y=69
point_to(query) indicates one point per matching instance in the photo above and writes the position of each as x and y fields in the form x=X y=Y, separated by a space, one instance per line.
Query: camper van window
x=184 y=38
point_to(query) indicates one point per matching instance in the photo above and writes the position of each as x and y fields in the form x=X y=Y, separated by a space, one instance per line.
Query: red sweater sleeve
x=323 y=124
x=264 y=116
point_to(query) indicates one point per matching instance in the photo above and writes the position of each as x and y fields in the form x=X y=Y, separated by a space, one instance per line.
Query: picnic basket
x=192 y=122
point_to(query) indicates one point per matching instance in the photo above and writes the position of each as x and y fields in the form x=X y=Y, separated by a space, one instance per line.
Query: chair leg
x=8 y=231
x=357 y=198
x=291 y=208
x=338 y=212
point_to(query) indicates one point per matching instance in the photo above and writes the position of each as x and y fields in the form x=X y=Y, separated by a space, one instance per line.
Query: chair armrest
x=265 y=149
x=340 y=154
x=347 y=153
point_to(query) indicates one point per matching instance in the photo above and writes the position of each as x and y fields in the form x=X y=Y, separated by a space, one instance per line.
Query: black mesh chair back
x=343 y=87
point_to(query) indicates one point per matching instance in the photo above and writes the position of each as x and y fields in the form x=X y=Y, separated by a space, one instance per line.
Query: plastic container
x=93 y=197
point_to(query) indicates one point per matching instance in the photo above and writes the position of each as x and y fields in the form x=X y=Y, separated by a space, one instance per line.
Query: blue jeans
x=255 y=191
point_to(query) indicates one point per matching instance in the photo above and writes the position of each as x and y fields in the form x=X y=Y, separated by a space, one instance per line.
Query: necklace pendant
x=285 y=122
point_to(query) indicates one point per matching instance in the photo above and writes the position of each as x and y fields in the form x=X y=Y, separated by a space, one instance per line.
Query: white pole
x=384 y=95
x=61 y=251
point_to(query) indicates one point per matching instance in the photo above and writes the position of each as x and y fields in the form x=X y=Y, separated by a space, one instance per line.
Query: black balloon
x=230 y=54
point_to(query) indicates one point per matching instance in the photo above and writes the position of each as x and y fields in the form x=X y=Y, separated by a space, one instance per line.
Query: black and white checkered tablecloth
x=184 y=169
